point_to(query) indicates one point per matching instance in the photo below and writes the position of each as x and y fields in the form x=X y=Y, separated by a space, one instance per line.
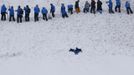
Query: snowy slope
x=41 y=48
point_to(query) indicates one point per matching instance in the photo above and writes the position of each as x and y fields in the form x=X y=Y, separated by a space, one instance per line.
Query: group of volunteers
x=93 y=7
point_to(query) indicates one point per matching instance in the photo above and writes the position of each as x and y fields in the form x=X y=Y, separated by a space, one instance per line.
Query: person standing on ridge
x=77 y=8
x=70 y=8
x=36 y=13
x=63 y=11
x=19 y=14
x=86 y=7
x=118 y=6
x=93 y=6
x=27 y=13
x=3 y=12
x=110 y=6
x=44 y=13
x=128 y=7
x=52 y=10
x=99 y=6
x=11 y=14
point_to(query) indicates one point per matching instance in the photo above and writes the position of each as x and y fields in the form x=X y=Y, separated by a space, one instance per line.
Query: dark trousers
x=118 y=8
x=11 y=18
x=70 y=10
x=129 y=10
x=45 y=17
x=27 y=18
x=64 y=15
x=53 y=15
x=99 y=9
x=19 y=18
x=92 y=10
x=85 y=10
x=3 y=16
x=36 y=17
x=111 y=10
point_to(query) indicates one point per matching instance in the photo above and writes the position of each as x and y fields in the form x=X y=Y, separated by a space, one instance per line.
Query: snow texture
x=42 y=48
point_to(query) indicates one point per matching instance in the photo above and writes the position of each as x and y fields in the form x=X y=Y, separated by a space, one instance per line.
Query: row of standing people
x=110 y=6
x=87 y=7
x=26 y=11
x=91 y=7
x=118 y=6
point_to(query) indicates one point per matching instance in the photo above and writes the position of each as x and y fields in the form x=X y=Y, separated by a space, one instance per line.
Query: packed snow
x=42 y=48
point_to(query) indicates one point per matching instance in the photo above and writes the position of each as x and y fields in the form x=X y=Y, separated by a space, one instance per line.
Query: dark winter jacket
x=19 y=11
x=44 y=10
x=87 y=5
x=11 y=11
x=63 y=10
x=52 y=8
x=118 y=2
x=93 y=3
x=127 y=4
x=3 y=9
x=99 y=5
x=36 y=9
x=27 y=10
x=77 y=4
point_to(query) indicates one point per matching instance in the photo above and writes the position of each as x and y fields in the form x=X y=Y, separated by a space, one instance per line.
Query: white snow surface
x=42 y=48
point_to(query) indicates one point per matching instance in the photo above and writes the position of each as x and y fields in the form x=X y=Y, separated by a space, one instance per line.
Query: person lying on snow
x=76 y=51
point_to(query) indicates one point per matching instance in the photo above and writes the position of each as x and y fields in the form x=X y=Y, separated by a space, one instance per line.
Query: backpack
x=21 y=11
x=29 y=10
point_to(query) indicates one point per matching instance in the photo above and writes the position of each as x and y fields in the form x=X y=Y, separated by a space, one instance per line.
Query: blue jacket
x=44 y=10
x=70 y=6
x=63 y=10
x=3 y=9
x=110 y=4
x=11 y=11
x=127 y=4
x=36 y=9
x=118 y=2
x=52 y=8
x=19 y=11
